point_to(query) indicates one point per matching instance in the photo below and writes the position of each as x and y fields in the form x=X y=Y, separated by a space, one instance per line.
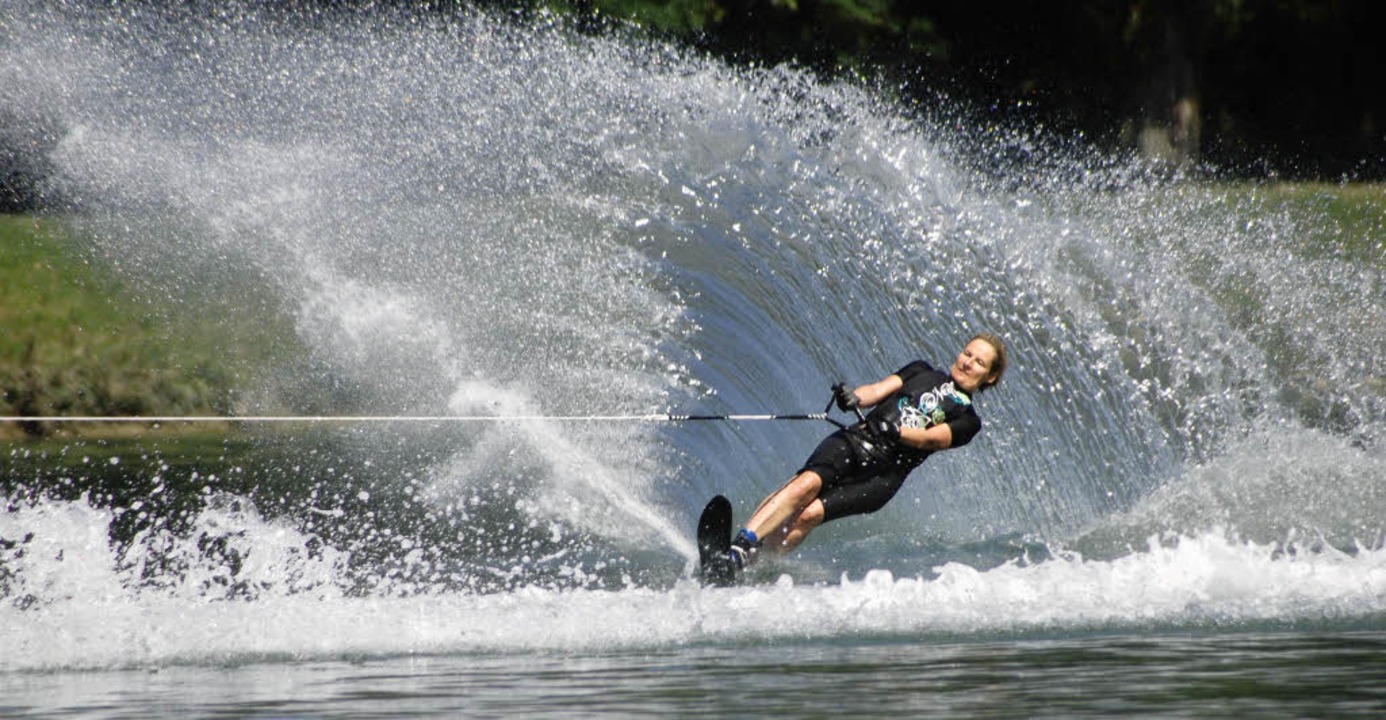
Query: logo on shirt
x=932 y=406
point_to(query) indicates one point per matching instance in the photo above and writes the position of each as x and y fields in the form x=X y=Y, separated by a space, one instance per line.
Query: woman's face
x=973 y=368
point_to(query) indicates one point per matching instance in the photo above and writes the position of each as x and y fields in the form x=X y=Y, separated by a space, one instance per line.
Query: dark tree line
x=1295 y=88
x=1291 y=88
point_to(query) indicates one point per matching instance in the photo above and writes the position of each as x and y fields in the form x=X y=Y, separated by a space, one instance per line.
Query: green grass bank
x=76 y=340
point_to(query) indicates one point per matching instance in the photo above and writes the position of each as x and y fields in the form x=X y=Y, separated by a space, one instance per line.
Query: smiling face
x=975 y=366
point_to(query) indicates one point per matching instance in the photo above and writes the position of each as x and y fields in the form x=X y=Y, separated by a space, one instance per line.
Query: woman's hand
x=846 y=400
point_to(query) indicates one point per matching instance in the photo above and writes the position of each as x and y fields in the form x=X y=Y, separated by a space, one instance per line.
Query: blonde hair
x=998 y=368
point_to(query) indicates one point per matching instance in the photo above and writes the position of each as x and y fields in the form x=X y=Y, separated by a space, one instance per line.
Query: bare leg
x=789 y=537
x=787 y=504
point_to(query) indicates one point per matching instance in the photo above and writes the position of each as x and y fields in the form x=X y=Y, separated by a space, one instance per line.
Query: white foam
x=87 y=615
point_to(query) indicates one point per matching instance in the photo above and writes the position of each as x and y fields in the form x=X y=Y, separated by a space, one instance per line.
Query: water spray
x=159 y=419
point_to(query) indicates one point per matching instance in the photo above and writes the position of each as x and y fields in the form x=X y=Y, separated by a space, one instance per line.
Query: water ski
x=714 y=539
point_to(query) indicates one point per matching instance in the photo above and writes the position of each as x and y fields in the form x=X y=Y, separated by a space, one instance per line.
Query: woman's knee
x=811 y=517
x=803 y=524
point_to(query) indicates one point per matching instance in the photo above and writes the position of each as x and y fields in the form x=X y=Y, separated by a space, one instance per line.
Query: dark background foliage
x=1293 y=89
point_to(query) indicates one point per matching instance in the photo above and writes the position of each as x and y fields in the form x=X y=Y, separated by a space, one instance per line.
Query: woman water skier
x=915 y=412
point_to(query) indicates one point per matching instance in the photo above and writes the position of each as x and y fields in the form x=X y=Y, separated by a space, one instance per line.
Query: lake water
x=1177 y=674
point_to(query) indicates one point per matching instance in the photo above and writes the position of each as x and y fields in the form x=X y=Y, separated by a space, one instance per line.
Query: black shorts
x=854 y=483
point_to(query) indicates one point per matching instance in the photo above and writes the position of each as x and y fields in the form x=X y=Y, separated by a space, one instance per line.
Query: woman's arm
x=872 y=394
x=938 y=437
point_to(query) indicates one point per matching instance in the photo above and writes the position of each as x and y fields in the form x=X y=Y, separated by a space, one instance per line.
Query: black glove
x=846 y=400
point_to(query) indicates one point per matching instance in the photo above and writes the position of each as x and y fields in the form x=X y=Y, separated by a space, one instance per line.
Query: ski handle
x=841 y=425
